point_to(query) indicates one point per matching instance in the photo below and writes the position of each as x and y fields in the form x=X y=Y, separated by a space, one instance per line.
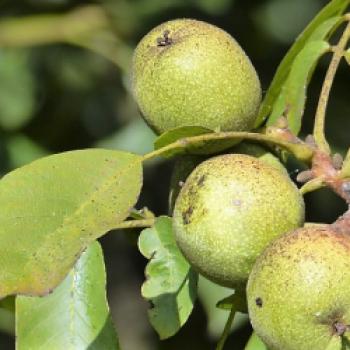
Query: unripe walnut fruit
x=229 y=210
x=185 y=164
x=188 y=72
x=299 y=291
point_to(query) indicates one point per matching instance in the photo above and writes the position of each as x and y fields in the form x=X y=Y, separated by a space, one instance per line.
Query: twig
x=300 y=150
x=338 y=52
x=227 y=329
x=135 y=223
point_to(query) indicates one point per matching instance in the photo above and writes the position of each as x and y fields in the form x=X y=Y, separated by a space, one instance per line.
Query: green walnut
x=299 y=291
x=188 y=72
x=185 y=164
x=229 y=209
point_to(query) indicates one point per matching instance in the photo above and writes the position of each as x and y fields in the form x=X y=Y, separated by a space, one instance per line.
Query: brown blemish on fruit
x=339 y=328
x=201 y=180
x=164 y=40
x=237 y=202
x=186 y=215
x=259 y=302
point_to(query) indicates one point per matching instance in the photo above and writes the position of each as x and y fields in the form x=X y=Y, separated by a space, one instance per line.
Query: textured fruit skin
x=301 y=284
x=229 y=209
x=201 y=77
x=184 y=165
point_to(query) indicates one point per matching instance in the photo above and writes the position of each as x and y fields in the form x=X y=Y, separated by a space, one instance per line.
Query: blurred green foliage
x=64 y=84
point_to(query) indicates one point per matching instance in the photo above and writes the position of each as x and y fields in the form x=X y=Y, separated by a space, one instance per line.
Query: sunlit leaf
x=53 y=208
x=291 y=101
x=318 y=29
x=74 y=316
x=171 y=284
x=255 y=343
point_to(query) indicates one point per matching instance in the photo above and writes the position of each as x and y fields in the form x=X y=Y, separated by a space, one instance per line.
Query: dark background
x=59 y=97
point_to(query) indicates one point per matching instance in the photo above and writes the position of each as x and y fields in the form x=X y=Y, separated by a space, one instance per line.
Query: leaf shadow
x=166 y=308
x=345 y=343
x=106 y=339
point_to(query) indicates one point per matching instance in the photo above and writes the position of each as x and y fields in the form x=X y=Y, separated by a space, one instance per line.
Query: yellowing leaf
x=53 y=208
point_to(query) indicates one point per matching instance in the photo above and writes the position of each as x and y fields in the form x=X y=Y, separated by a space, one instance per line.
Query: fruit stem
x=135 y=223
x=300 y=150
x=342 y=224
x=227 y=329
x=323 y=168
x=338 y=53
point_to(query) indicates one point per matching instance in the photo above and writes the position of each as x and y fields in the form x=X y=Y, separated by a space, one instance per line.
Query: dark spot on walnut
x=259 y=302
x=340 y=328
x=201 y=180
x=186 y=215
x=164 y=40
x=237 y=202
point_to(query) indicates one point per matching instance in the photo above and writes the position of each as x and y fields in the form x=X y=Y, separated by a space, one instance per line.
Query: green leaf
x=173 y=135
x=53 y=208
x=74 y=316
x=255 y=343
x=291 y=101
x=17 y=89
x=182 y=133
x=347 y=56
x=318 y=29
x=236 y=300
x=171 y=284
x=220 y=139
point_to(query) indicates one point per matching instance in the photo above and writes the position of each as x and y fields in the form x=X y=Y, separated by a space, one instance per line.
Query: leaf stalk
x=338 y=53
